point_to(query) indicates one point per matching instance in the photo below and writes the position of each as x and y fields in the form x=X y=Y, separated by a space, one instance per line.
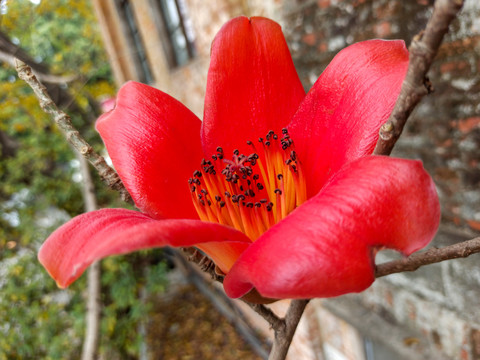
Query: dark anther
x=199 y=196
x=288 y=161
x=249 y=182
x=257 y=204
x=202 y=162
x=227 y=194
x=203 y=191
x=241 y=187
x=249 y=192
x=197 y=173
x=256 y=177
x=202 y=202
x=260 y=139
x=236 y=152
x=263 y=201
x=269 y=207
x=219 y=150
x=249 y=142
x=279 y=176
x=193 y=188
x=284 y=131
x=278 y=191
x=241 y=197
x=214 y=157
x=275 y=137
x=218 y=198
x=271 y=132
x=234 y=198
x=198 y=182
x=260 y=186
x=267 y=143
x=222 y=204
x=209 y=202
x=249 y=205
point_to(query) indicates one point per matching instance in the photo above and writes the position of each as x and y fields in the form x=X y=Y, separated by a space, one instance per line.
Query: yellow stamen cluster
x=250 y=193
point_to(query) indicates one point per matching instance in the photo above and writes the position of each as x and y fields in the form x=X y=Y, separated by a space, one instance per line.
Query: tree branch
x=284 y=332
x=92 y=329
x=108 y=175
x=430 y=256
x=415 y=86
x=48 y=78
x=274 y=321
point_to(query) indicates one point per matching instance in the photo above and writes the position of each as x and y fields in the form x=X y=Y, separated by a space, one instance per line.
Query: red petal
x=154 y=144
x=324 y=248
x=340 y=117
x=252 y=85
x=94 y=235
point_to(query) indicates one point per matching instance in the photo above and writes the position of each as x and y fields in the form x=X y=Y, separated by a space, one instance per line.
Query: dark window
x=135 y=41
x=176 y=30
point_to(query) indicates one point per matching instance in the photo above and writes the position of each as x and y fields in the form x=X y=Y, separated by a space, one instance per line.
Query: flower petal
x=340 y=117
x=91 y=236
x=325 y=247
x=252 y=85
x=154 y=144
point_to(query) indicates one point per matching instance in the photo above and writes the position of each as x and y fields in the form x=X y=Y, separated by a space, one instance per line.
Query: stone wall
x=437 y=308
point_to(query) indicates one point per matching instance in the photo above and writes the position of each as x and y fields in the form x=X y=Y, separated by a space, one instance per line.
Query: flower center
x=250 y=193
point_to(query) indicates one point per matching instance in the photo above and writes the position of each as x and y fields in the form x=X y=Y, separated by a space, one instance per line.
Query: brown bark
x=108 y=175
x=416 y=85
x=92 y=329
x=431 y=256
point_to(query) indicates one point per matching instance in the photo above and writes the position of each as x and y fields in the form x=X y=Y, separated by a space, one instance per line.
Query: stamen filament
x=250 y=193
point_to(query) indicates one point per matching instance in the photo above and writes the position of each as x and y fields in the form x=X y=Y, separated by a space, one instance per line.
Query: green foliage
x=40 y=189
x=38 y=319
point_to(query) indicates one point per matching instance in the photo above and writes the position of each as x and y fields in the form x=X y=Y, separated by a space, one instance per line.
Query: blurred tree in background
x=40 y=188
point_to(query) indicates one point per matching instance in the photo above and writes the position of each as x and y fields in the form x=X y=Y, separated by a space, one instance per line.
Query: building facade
x=433 y=313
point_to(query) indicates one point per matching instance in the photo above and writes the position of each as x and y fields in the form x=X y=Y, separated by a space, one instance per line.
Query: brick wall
x=437 y=308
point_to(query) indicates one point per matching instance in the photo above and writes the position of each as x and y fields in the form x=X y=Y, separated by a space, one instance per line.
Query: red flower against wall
x=279 y=188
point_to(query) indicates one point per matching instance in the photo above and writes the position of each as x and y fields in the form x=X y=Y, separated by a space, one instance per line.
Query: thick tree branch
x=72 y=135
x=431 y=256
x=423 y=49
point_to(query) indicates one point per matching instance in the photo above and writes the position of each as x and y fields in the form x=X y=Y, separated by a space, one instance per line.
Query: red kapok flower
x=288 y=198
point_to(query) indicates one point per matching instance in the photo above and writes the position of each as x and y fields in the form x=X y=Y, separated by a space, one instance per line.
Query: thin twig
x=274 y=321
x=422 y=50
x=92 y=329
x=72 y=135
x=47 y=78
x=284 y=332
x=431 y=256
